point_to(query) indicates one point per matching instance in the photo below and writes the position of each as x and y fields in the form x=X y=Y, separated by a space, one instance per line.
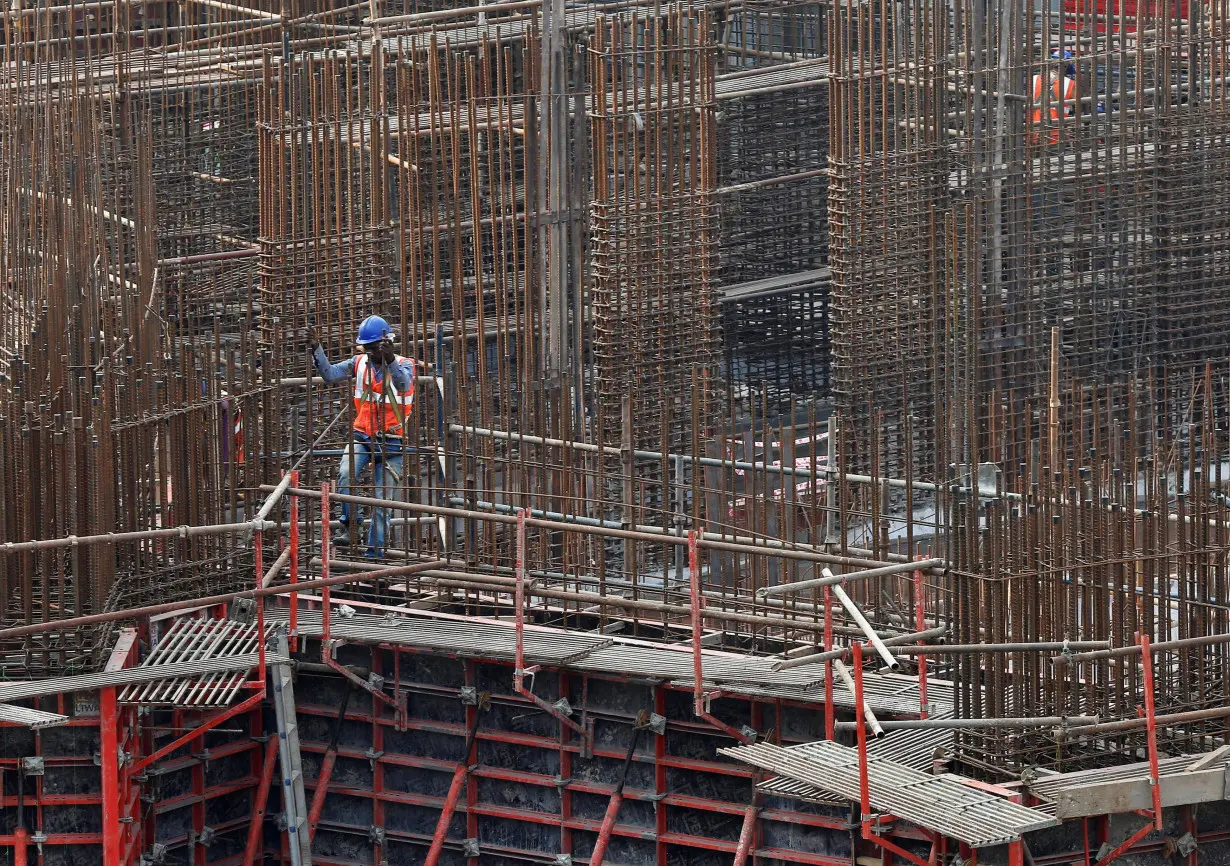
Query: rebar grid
x=972 y=213
x=654 y=222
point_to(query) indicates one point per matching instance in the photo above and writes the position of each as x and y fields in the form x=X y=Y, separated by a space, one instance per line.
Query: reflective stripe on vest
x=374 y=412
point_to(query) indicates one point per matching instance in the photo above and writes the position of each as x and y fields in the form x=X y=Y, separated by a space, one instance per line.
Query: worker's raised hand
x=313 y=338
x=386 y=353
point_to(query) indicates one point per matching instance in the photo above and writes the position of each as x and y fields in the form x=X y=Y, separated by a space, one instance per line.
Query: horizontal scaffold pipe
x=842 y=652
x=834 y=579
x=828 y=472
x=242 y=527
x=1183 y=718
x=495 y=583
x=976 y=648
x=765 y=546
x=1134 y=649
x=975 y=724
x=212 y=600
x=659 y=537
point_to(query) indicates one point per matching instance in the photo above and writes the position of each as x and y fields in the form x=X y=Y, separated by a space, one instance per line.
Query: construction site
x=815 y=445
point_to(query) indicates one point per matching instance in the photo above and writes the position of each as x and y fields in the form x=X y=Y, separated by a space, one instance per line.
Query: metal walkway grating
x=196 y=640
x=783 y=786
x=31 y=718
x=467 y=638
x=943 y=805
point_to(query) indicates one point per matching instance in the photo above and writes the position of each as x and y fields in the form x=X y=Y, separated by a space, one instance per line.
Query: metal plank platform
x=910 y=748
x=747 y=676
x=782 y=786
x=1126 y=788
x=194 y=640
x=945 y=806
x=466 y=638
x=16 y=691
x=914 y=748
x=30 y=718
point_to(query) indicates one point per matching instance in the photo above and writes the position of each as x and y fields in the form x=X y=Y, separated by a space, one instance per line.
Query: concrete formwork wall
x=531 y=795
x=195 y=806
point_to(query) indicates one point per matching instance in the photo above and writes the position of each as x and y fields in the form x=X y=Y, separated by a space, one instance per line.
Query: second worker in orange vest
x=380 y=416
x=1061 y=98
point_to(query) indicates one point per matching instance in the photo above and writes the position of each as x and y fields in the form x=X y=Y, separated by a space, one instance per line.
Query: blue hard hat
x=1061 y=55
x=373 y=330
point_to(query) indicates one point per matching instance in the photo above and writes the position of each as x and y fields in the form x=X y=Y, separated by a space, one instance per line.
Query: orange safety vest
x=373 y=412
x=1063 y=92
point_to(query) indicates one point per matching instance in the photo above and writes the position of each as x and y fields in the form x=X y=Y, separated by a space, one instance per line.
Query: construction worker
x=380 y=416
x=1062 y=87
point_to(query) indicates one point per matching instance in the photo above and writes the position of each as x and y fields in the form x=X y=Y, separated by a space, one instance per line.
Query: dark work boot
x=341 y=536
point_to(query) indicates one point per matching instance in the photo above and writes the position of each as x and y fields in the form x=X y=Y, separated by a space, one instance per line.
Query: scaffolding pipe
x=1167 y=720
x=1134 y=649
x=661 y=537
x=828 y=473
x=701 y=698
x=520 y=671
x=860 y=705
x=840 y=653
x=612 y=808
x=746 y=834
x=326 y=769
x=1155 y=785
x=460 y=773
x=496 y=583
x=444 y=14
x=857 y=615
x=256 y=828
x=933 y=724
x=21 y=838
x=831 y=579
x=976 y=648
x=708 y=539
x=211 y=600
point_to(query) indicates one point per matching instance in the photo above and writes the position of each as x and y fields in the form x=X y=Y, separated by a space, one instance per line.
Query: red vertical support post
x=20 y=839
x=1016 y=853
x=294 y=561
x=471 y=679
x=324 y=559
x=661 y=822
x=830 y=712
x=519 y=672
x=109 y=745
x=256 y=829
x=920 y=624
x=698 y=690
x=699 y=696
x=1146 y=656
x=258 y=556
x=864 y=783
x=565 y=763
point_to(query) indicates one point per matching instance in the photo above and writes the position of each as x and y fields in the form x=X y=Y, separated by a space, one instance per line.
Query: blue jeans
x=385 y=457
